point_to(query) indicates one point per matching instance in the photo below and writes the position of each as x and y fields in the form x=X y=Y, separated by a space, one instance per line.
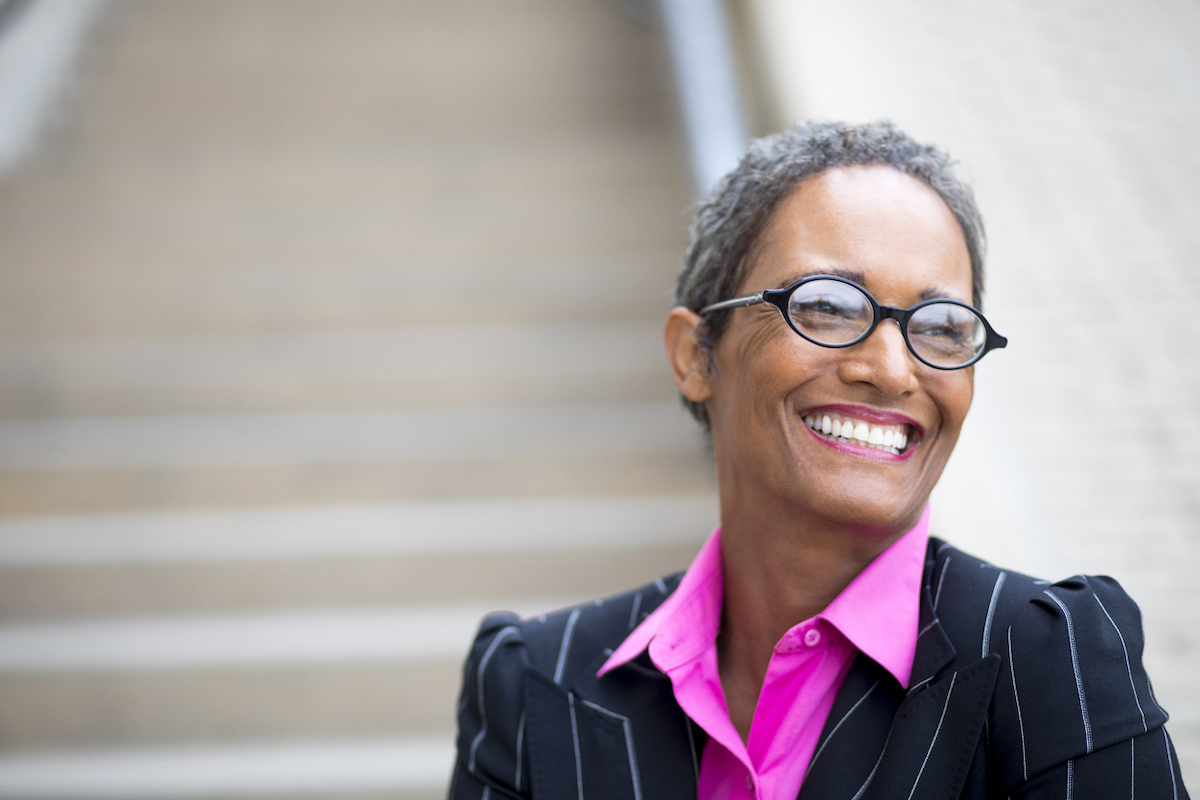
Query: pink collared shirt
x=876 y=614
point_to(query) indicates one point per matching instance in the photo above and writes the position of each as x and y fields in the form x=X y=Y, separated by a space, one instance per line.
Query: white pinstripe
x=637 y=604
x=1170 y=763
x=575 y=742
x=936 y=731
x=1087 y=722
x=687 y=723
x=938 y=595
x=565 y=646
x=1070 y=779
x=487 y=793
x=1132 y=768
x=878 y=761
x=1128 y=666
x=991 y=613
x=1012 y=670
x=821 y=749
x=662 y=587
x=483 y=663
x=462 y=701
x=912 y=689
x=1149 y=687
x=629 y=748
x=520 y=741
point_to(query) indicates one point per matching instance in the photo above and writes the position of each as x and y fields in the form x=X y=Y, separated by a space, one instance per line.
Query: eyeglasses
x=836 y=312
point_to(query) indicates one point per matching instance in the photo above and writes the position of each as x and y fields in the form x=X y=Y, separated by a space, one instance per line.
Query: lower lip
x=857 y=450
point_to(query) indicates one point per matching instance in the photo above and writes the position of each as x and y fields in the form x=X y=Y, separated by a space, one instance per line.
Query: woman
x=822 y=645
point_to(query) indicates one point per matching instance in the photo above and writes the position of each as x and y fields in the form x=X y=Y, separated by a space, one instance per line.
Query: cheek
x=756 y=361
x=954 y=397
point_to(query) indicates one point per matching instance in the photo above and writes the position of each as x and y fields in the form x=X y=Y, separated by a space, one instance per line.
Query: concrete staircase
x=326 y=327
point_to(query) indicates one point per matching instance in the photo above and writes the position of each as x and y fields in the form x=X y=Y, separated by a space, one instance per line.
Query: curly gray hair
x=728 y=223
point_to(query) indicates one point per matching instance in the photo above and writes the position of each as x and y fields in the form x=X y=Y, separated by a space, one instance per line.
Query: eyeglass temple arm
x=734 y=302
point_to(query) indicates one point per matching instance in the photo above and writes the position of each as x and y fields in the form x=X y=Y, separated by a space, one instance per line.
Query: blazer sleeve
x=1074 y=714
x=491 y=717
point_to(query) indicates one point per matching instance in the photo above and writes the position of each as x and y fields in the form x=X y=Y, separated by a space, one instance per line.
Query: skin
x=800 y=519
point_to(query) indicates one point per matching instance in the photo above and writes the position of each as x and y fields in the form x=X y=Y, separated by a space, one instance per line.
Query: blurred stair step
x=465 y=527
x=412 y=768
x=202 y=706
x=55 y=592
x=193 y=295
x=259 y=639
x=328 y=438
x=198 y=562
x=336 y=370
x=85 y=491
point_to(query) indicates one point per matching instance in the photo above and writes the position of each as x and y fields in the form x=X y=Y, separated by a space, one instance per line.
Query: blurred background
x=327 y=327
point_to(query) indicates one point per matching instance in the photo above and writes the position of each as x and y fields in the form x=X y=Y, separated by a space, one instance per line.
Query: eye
x=830 y=312
x=946 y=334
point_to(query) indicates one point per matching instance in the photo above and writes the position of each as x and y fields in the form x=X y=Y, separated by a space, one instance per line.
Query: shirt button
x=749 y=784
x=812 y=637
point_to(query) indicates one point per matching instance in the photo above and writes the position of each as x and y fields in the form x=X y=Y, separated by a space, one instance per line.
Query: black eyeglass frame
x=780 y=297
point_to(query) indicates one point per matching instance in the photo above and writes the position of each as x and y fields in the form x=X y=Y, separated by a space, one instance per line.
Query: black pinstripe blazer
x=1019 y=689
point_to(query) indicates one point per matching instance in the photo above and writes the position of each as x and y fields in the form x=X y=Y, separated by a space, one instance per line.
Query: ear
x=688 y=362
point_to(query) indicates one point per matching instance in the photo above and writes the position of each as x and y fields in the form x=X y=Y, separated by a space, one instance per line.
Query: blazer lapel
x=934 y=650
x=617 y=737
x=855 y=733
x=883 y=742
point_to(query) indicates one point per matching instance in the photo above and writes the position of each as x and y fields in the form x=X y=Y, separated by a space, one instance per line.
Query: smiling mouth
x=845 y=429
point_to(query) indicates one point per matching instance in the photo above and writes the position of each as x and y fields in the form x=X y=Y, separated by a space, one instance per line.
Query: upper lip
x=867 y=415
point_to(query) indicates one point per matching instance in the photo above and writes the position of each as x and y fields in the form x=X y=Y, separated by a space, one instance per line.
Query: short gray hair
x=728 y=223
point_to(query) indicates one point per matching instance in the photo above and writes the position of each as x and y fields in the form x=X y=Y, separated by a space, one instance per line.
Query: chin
x=883 y=517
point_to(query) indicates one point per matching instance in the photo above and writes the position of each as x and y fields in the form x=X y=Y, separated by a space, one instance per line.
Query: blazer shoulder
x=1075 y=650
x=974 y=599
x=565 y=642
x=1071 y=680
x=490 y=707
x=557 y=645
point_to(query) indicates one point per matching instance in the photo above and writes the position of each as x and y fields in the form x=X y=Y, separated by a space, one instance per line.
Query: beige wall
x=1076 y=124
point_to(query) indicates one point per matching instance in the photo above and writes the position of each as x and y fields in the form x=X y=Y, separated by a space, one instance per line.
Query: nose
x=882 y=360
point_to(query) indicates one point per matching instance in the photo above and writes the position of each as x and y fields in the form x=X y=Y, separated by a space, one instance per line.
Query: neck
x=781 y=566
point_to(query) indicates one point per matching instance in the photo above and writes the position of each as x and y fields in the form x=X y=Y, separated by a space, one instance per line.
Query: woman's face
x=893 y=235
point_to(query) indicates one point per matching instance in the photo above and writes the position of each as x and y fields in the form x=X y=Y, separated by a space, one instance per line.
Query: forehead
x=886 y=229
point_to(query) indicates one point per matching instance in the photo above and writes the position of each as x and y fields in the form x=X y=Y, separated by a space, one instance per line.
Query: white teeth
x=860 y=433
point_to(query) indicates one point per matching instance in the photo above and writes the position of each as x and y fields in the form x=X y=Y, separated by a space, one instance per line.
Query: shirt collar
x=692 y=614
x=877 y=612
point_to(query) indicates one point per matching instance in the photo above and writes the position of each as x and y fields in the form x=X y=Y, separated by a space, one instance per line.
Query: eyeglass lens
x=835 y=313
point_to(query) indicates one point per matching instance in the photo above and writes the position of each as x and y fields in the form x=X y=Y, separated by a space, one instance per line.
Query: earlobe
x=689 y=364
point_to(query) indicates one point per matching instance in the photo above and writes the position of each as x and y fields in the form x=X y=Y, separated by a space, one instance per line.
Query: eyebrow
x=928 y=293
x=848 y=274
